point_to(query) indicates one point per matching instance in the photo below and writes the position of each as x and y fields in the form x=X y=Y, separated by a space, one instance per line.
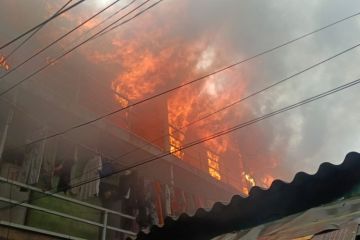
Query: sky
x=220 y=33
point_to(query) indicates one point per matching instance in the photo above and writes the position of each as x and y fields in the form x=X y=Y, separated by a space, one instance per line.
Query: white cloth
x=33 y=159
x=91 y=177
x=167 y=200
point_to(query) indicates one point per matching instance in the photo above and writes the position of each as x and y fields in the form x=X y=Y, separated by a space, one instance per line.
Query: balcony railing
x=28 y=205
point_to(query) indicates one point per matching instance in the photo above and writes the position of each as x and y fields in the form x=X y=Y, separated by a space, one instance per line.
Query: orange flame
x=3 y=63
x=148 y=59
x=214 y=165
x=267 y=180
x=249 y=182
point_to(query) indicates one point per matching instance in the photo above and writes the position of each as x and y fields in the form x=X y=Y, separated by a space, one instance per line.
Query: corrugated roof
x=282 y=199
x=338 y=221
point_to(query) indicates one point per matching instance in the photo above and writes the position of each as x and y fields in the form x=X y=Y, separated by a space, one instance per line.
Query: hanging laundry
x=209 y=204
x=33 y=158
x=158 y=203
x=201 y=202
x=47 y=172
x=107 y=169
x=75 y=176
x=63 y=171
x=91 y=177
x=176 y=202
x=130 y=197
x=125 y=185
x=184 y=201
x=106 y=193
x=191 y=204
x=167 y=200
x=150 y=202
x=143 y=218
x=197 y=202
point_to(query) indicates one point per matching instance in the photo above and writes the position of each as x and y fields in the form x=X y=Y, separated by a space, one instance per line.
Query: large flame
x=149 y=59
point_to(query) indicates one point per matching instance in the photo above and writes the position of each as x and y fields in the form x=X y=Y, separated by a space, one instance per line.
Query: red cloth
x=158 y=204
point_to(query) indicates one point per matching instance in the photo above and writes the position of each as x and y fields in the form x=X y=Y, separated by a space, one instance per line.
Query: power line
x=100 y=33
x=109 y=17
x=58 y=40
x=244 y=124
x=169 y=90
x=41 y=24
x=75 y=47
x=236 y=102
x=36 y=31
x=216 y=135
x=244 y=98
x=122 y=23
x=105 y=30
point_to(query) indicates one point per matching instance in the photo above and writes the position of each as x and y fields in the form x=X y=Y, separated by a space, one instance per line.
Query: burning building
x=138 y=63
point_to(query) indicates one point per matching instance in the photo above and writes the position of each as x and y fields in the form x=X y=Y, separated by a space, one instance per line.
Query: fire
x=249 y=179
x=214 y=165
x=175 y=139
x=146 y=59
x=147 y=69
x=3 y=63
x=267 y=180
x=249 y=182
x=140 y=72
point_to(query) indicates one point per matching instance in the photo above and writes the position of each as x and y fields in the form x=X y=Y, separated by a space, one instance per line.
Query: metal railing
x=104 y=224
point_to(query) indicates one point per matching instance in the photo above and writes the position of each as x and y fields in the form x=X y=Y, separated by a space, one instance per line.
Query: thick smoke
x=177 y=34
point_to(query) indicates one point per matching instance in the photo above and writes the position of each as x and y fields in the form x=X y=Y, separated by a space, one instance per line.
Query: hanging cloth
x=91 y=176
x=167 y=200
x=158 y=202
x=34 y=154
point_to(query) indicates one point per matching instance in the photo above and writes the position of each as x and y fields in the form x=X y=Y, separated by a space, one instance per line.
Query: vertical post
x=42 y=152
x=74 y=179
x=9 y=120
x=103 y=236
x=172 y=175
x=5 y=132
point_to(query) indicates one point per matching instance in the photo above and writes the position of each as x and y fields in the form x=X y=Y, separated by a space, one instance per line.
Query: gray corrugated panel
x=346 y=233
x=334 y=221
x=282 y=199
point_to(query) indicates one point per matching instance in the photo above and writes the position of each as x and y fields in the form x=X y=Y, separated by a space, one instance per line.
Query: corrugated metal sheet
x=346 y=233
x=282 y=199
x=336 y=221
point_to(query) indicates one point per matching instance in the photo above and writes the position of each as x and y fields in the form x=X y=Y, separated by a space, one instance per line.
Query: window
x=175 y=141
x=213 y=164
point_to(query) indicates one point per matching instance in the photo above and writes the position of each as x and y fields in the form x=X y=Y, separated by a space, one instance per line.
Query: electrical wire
x=41 y=24
x=108 y=18
x=33 y=33
x=58 y=40
x=216 y=135
x=352 y=15
x=122 y=23
x=234 y=103
x=169 y=90
x=78 y=45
